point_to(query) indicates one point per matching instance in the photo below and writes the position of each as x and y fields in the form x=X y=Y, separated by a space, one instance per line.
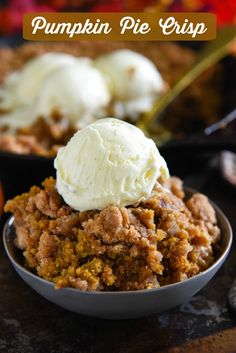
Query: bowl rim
x=224 y=254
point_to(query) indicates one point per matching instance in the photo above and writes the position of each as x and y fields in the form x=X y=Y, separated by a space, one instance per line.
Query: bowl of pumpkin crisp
x=114 y=235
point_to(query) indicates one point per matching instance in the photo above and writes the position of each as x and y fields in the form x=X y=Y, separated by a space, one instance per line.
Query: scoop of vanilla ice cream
x=78 y=90
x=22 y=86
x=134 y=81
x=109 y=162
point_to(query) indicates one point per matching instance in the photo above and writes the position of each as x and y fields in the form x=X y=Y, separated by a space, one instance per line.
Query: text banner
x=174 y=26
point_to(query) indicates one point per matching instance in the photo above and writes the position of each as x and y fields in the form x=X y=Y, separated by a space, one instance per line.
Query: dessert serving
x=48 y=92
x=113 y=219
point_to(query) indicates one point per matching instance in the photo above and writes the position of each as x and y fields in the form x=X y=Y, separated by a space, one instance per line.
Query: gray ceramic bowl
x=119 y=305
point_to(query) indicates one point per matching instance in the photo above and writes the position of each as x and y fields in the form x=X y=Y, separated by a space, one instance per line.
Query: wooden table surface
x=224 y=341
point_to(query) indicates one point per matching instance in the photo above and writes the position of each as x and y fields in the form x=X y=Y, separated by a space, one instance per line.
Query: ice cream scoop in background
x=109 y=162
x=22 y=86
x=83 y=95
x=76 y=90
x=134 y=81
x=79 y=89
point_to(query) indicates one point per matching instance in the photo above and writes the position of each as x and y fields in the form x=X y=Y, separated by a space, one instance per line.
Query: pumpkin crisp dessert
x=50 y=90
x=113 y=219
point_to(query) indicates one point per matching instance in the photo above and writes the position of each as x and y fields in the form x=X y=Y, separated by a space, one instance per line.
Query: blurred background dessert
x=65 y=93
x=119 y=79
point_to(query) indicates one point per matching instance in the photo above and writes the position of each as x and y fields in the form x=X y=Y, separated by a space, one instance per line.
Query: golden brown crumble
x=162 y=240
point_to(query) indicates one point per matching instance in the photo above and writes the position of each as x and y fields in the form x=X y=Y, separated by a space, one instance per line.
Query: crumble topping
x=161 y=240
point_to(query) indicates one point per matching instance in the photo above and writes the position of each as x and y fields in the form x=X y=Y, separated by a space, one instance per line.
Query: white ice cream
x=78 y=90
x=110 y=162
x=134 y=81
x=22 y=86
